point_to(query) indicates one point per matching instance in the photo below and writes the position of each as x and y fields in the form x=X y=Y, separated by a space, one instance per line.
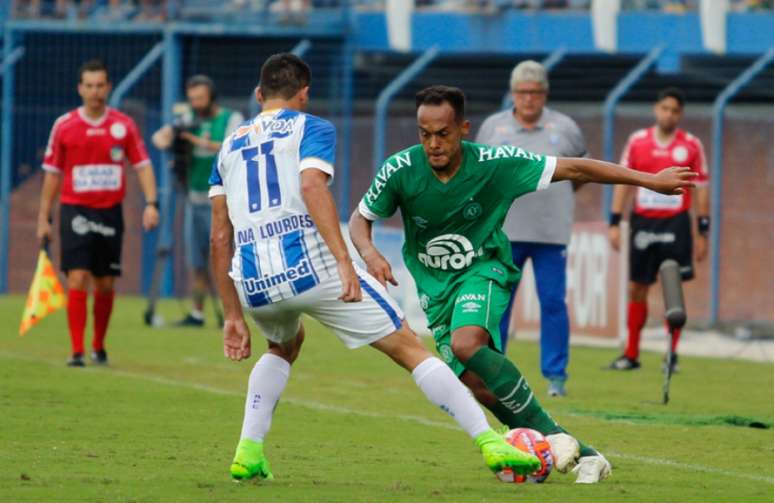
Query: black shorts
x=91 y=239
x=653 y=240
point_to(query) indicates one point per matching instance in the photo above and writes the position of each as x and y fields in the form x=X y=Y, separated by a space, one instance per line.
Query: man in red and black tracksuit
x=660 y=225
x=87 y=154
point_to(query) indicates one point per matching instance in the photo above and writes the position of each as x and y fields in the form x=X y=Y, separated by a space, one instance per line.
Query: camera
x=182 y=150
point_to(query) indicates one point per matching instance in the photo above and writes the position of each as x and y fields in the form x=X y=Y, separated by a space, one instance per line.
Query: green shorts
x=478 y=302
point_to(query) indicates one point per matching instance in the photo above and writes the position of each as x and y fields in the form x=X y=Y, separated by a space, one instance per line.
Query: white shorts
x=355 y=323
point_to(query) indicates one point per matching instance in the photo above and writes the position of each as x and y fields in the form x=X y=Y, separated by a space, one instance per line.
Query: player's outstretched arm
x=670 y=181
x=236 y=335
x=360 y=231
x=322 y=208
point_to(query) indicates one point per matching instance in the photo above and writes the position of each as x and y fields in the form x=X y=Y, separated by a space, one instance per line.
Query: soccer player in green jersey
x=453 y=196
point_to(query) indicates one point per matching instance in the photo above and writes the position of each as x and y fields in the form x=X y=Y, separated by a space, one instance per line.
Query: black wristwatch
x=155 y=204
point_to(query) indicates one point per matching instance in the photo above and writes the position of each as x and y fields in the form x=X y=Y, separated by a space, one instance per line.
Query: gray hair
x=529 y=71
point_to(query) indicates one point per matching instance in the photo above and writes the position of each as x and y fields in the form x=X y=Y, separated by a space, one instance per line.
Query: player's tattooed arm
x=236 y=335
x=671 y=181
x=322 y=208
x=360 y=231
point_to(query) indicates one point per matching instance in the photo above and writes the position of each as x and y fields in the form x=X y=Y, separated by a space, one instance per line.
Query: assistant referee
x=86 y=157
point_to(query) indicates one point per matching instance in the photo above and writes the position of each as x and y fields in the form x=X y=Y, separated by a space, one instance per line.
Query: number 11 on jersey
x=255 y=187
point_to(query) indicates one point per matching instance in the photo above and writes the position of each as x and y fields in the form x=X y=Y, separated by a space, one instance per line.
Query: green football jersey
x=454 y=229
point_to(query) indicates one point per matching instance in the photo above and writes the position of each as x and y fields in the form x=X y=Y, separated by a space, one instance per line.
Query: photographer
x=195 y=138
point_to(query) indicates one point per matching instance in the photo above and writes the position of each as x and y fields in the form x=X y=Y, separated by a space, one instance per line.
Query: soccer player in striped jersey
x=278 y=253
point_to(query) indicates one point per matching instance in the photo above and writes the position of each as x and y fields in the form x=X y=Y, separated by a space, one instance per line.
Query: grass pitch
x=161 y=424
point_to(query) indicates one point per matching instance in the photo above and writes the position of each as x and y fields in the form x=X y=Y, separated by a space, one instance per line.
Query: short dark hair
x=203 y=80
x=284 y=75
x=93 y=65
x=672 y=92
x=438 y=95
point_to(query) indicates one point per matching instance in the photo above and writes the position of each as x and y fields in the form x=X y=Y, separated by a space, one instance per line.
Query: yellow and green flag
x=46 y=294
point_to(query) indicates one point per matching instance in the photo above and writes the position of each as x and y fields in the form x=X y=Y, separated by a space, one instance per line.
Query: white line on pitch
x=686 y=466
x=414 y=419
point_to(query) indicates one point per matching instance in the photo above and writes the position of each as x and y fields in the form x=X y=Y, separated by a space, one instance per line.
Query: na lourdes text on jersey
x=275 y=228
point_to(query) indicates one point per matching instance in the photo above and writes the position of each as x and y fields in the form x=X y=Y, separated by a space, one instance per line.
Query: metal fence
x=148 y=67
x=40 y=61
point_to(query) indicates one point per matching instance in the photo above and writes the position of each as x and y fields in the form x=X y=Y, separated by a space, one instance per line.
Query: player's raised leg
x=477 y=358
x=265 y=386
x=513 y=403
x=441 y=386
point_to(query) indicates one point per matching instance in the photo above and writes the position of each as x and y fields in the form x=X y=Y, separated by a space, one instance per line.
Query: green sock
x=503 y=414
x=515 y=408
x=517 y=405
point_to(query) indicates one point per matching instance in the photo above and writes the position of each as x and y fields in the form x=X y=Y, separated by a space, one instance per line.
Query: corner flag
x=46 y=294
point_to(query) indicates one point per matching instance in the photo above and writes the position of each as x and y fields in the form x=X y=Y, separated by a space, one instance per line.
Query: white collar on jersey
x=272 y=111
x=93 y=122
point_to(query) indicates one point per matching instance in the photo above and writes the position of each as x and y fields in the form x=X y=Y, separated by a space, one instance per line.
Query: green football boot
x=250 y=462
x=499 y=454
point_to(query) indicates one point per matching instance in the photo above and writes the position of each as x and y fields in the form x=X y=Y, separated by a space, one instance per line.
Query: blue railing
x=386 y=96
x=11 y=55
x=611 y=102
x=716 y=172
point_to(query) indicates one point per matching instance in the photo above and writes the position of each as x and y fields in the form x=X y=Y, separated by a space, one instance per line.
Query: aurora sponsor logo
x=449 y=251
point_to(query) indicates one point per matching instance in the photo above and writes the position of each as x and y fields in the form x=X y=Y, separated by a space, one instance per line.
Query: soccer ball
x=535 y=443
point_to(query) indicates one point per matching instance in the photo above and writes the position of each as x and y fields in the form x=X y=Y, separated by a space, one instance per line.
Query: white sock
x=266 y=384
x=442 y=387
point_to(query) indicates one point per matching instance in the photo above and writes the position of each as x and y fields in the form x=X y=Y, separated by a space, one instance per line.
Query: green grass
x=161 y=423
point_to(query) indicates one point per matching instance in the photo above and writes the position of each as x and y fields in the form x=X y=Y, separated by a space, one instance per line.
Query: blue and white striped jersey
x=278 y=251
